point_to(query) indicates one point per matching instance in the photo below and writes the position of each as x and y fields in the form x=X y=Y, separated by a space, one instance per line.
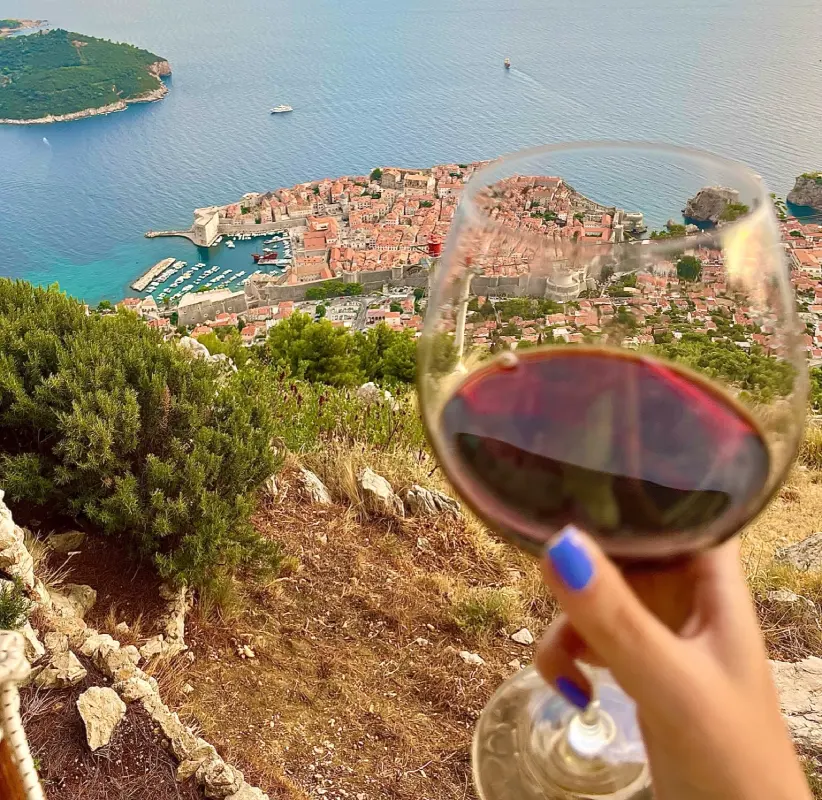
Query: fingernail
x=573 y=693
x=570 y=559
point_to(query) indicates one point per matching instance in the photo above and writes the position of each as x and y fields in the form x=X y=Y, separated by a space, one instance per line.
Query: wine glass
x=649 y=389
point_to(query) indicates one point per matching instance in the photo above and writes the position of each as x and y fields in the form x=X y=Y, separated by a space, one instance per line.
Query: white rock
x=523 y=636
x=63 y=671
x=99 y=645
x=133 y=654
x=153 y=647
x=101 y=710
x=34 y=648
x=420 y=502
x=314 y=488
x=73 y=600
x=270 y=487
x=188 y=688
x=66 y=542
x=471 y=658
x=122 y=629
x=194 y=347
x=800 y=696
x=515 y=663
x=378 y=494
x=248 y=793
x=55 y=642
x=218 y=779
x=134 y=689
x=806 y=555
x=247 y=652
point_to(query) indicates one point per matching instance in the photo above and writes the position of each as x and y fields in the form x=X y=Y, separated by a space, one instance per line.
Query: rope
x=13 y=669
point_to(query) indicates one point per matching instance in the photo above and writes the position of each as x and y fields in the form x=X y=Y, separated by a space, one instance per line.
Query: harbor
x=226 y=265
x=147 y=277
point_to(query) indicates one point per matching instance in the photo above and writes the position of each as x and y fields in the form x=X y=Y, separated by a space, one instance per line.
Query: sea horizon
x=376 y=86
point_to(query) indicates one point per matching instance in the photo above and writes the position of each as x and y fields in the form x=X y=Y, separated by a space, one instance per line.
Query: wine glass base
x=531 y=744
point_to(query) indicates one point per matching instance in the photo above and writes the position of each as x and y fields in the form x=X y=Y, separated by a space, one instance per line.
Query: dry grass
x=357 y=686
x=137 y=634
x=51 y=571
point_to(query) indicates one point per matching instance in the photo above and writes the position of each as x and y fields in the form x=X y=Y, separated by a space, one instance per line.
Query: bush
x=14 y=605
x=482 y=611
x=102 y=420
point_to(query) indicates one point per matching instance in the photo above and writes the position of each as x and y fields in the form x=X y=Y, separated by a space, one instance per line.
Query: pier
x=144 y=280
x=189 y=234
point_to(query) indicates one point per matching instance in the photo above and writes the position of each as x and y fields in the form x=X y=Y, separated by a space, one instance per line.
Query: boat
x=230 y=245
x=268 y=258
x=507 y=63
x=281 y=109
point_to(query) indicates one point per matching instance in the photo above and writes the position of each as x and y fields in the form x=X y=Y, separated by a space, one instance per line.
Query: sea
x=381 y=82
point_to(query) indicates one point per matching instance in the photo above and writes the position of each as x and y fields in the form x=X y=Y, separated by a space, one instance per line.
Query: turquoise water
x=375 y=82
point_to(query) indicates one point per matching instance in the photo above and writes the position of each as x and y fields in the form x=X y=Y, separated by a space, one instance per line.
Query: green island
x=58 y=75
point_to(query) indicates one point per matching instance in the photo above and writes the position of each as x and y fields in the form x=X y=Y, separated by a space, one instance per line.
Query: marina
x=142 y=282
x=225 y=266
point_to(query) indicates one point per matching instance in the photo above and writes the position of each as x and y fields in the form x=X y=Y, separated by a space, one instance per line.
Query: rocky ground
x=360 y=671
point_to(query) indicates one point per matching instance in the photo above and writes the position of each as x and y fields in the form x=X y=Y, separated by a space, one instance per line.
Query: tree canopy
x=58 y=72
x=689 y=268
x=102 y=420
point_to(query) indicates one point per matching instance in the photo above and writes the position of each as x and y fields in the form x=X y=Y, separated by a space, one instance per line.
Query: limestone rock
x=806 y=555
x=807 y=190
x=194 y=347
x=99 y=645
x=218 y=779
x=471 y=658
x=515 y=664
x=153 y=647
x=34 y=648
x=800 y=696
x=709 y=203
x=422 y=502
x=248 y=793
x=118 y=665
x=378 y=495
x=63 y=671
x=66 y=542
x=55 y=642
x=73 y=627
x=73 y=600
x=133 y=654
x=314 y=489
x=270 y=487
x=785 y=597
x=101 y=710
x=15 y=559
x=122 y=629
x=523 y=636
x=133 y=689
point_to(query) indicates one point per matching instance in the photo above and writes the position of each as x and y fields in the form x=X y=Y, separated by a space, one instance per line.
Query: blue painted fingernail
x=570 y=559
x=573 y=693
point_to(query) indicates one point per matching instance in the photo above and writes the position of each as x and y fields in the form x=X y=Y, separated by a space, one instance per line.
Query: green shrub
x=14 y=605
x=485 y=610
x=102 y=420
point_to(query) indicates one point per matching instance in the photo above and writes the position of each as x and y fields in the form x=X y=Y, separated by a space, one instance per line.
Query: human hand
x=684 y=643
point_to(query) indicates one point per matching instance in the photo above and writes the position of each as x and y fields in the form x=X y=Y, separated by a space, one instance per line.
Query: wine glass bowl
x=655 y=441
x=574 y=370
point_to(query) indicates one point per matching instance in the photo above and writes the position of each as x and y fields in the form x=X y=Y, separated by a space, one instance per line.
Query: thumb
x=606 y=613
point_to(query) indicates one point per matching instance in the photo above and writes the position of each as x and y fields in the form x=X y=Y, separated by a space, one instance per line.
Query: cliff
x=807 y=191
x=709 y=204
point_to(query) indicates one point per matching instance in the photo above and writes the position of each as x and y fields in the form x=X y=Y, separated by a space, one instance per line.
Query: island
x=807 y=191
x=56 y=76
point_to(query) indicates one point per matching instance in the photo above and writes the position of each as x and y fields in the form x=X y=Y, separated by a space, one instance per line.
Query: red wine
x=617 y=443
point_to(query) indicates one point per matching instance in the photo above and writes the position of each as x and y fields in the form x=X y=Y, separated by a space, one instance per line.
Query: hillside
x=62 y=75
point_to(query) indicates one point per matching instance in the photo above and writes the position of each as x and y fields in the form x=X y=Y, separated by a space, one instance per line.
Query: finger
x=600 y=605
x=562 y=633
x=557 y=655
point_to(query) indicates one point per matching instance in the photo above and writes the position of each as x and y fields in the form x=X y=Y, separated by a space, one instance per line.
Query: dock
x=161 y=266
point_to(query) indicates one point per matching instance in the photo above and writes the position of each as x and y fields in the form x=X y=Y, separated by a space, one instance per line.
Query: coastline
x=159 y=69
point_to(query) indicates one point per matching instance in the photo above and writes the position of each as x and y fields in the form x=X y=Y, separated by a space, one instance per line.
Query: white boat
x=230 y=245
x=281 y=109
x=188 y=288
